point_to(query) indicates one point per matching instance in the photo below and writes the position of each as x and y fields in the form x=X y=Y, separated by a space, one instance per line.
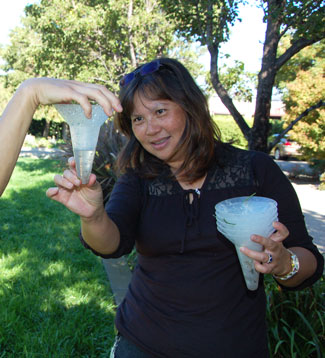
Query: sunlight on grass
x=55 y=299
x=9 y=267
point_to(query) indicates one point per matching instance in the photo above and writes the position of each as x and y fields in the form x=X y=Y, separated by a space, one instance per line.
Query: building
x=246 y=109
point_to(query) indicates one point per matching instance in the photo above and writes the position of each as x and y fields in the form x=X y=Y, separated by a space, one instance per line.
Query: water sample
x=239 y=218
x=84 y=135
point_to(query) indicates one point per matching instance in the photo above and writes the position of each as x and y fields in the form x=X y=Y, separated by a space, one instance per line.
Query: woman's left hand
x=274 y=258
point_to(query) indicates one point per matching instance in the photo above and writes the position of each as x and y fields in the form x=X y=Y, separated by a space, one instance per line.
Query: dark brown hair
x=173 y=82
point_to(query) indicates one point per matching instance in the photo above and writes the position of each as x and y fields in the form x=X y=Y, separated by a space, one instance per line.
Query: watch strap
x=294 y=267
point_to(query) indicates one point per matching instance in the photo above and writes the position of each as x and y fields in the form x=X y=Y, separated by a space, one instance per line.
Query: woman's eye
x=137 y=119
x=161 y=111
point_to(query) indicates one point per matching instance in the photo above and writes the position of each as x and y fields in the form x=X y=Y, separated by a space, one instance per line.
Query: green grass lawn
x=55 y=299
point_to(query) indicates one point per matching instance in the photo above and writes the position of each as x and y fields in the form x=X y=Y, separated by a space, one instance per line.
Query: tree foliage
x=4 y=97
x=303 y=90
x=89 y=40
x=237 y=82
x=209 y=22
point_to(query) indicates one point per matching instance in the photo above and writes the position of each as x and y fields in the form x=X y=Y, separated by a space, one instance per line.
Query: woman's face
x=159 y=125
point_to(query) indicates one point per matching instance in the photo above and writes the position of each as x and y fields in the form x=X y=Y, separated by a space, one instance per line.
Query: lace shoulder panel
x=236 y=171
x=161 y=186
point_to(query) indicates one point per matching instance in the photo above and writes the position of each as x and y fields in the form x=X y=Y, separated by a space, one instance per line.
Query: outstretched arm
x=18 y=114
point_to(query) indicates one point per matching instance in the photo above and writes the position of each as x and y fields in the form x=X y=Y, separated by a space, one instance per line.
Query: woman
x=187 y=297
x=18 y=114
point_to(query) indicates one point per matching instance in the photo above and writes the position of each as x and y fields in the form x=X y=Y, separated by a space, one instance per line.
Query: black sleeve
x=123 y=207
x=274 y=184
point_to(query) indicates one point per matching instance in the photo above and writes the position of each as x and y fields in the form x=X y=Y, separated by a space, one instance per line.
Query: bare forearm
x=101 y=234
x=307 y=267
x=14 y=124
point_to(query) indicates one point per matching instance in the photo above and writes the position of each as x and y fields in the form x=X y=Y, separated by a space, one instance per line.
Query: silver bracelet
x=294 y=267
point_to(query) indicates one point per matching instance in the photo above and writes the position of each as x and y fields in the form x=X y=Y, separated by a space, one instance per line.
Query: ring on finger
x=270 y=259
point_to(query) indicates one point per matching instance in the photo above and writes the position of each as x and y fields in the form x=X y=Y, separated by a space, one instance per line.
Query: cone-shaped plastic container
x=238 y=219
x=84 y=135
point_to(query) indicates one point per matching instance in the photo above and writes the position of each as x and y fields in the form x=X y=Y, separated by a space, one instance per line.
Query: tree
x=87 y=40
x=209 y=22
x=91 y=40
x=305 y=88
x=4 y=96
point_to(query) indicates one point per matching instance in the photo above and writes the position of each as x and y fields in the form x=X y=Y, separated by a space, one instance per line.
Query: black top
x=187 y=297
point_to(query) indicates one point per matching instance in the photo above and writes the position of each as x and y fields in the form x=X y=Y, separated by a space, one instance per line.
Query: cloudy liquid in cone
x=248 y=268
x=84 y=163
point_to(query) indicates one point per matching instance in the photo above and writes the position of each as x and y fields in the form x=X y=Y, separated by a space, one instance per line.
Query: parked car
x=285 y=148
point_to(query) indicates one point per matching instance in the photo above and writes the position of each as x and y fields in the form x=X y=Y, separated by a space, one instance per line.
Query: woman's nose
x=153 y=127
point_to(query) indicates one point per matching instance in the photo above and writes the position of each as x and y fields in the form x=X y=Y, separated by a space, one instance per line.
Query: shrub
x=322 y=182
x=276 y=126
x=110 y=142
x=296 y=320
x=230 y=132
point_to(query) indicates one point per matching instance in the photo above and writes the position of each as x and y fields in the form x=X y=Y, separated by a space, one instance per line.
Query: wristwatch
x=294 y=267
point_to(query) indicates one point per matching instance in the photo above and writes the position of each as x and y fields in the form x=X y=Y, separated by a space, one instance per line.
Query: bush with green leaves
x=296 y=320
x=322 y=182
x=110 y=142
x=230 y=131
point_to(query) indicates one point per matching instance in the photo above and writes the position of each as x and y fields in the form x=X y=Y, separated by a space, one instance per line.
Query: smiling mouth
x=160 y=142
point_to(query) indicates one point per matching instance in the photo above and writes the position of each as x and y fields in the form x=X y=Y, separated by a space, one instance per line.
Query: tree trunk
x=65 y=131
x=46 y=129
x=132 y=51
x=222 y=93
x=261 y=126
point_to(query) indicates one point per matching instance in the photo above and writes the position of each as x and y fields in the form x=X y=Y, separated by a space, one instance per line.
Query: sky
x=247 y=37
x=10 y=14
x=245 y=44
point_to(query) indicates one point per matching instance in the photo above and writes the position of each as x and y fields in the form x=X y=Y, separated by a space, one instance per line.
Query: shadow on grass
x=42 y=166
x=55 y=300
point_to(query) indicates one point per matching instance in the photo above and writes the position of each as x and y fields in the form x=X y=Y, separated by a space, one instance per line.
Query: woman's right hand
x=84 y=200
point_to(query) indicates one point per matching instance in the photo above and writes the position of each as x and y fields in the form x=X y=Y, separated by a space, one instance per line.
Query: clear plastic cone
x=84 y=135
x=238 y=219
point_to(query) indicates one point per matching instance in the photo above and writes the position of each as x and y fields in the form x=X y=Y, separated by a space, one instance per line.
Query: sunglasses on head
x=144 y=70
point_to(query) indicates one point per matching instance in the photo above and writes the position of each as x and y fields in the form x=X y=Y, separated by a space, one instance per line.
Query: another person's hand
x=271 y=246
x=84 y=200
x=51 y=90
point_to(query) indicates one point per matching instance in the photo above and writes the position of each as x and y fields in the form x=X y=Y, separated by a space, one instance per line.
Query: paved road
x=312 y=202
